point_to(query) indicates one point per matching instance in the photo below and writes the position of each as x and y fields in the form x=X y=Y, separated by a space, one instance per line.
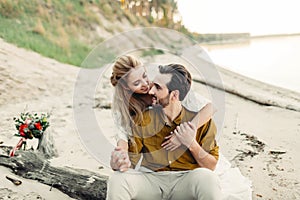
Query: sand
x=261 y=140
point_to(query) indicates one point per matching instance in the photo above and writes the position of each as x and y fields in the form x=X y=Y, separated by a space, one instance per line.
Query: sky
x=258 y=17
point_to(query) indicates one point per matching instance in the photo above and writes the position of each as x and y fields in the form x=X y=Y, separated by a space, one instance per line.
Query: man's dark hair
x=181 y=78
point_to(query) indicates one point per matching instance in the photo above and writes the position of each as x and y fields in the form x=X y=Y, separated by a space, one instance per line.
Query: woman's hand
x=186 y=133
x=119 y=159
x=172 y=142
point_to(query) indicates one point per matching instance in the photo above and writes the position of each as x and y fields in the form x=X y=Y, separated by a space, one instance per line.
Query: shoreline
x=242 y=40
x=259 y=92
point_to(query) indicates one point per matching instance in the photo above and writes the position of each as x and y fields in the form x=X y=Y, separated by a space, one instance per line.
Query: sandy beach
x=260 y=135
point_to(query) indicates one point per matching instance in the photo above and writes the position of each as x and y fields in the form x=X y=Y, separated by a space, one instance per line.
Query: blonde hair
x=126 y=102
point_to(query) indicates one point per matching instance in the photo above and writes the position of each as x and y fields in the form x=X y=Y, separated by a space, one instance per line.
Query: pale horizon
x=233 y=16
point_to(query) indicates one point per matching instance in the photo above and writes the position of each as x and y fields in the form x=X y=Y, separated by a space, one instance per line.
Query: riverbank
x=260 y=139
x=272 y=60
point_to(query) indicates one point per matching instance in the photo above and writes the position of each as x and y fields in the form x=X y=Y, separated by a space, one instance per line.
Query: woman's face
x=137 y=80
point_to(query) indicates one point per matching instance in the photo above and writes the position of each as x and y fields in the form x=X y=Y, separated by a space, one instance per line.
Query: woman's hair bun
x=113 y=79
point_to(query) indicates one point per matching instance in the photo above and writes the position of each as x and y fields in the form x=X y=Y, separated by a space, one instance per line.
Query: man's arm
x=186 y=133
x=203 y=158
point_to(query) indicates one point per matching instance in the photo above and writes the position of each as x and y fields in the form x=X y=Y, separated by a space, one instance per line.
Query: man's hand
x=119 y=160
x=171 y=142
x=186 y=133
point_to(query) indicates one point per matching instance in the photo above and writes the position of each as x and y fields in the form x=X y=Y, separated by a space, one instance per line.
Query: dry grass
x=90 y=13
x=69 y=7
x=43 y=13
x=49 y=3
x=63 y=39
x=73 y=20
x=9 y=8
x=39 y=28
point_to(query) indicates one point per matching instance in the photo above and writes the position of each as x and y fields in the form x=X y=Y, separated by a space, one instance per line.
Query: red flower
x=22 y=133
x=22 y=129
x=38 y=126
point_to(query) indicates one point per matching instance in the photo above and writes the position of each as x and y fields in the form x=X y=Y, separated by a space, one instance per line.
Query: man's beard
x=164 y=102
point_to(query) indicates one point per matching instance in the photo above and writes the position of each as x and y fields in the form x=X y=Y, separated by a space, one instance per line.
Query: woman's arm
x=203 y=116
x=119 y=157
x=123 y=144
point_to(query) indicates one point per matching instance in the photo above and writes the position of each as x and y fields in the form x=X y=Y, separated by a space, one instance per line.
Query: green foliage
x=96 y=60
x=49 y=27
x=108 y=12
x=152 y=52
x=64 y=29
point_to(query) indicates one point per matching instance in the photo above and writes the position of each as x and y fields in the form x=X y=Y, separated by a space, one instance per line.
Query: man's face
x=159 y=91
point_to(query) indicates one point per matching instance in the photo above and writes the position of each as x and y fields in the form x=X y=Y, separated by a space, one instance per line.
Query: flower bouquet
x=30 y=126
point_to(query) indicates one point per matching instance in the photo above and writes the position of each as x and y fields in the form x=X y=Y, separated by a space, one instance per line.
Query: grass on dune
x=54 y=28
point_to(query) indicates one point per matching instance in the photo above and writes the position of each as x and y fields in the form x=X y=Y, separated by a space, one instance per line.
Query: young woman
x=131 y=98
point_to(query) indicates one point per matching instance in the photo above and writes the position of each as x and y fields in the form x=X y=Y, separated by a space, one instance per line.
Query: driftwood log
x=78 y=184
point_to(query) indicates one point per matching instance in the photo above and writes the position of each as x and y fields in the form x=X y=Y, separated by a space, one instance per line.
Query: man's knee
x=119 y=179
x=206 y=183
x=126 y=185
x=203 y=175
x=117 y=182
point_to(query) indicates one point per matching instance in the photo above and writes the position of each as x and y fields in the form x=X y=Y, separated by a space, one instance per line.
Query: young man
x=184 y=173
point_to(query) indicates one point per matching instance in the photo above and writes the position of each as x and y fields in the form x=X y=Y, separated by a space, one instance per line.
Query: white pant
x=198 y=184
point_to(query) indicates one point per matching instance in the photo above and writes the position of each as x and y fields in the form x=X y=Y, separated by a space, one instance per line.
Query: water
x=274 y=60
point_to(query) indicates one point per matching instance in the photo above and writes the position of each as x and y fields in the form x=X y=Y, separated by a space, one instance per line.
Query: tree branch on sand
x=77 y=183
